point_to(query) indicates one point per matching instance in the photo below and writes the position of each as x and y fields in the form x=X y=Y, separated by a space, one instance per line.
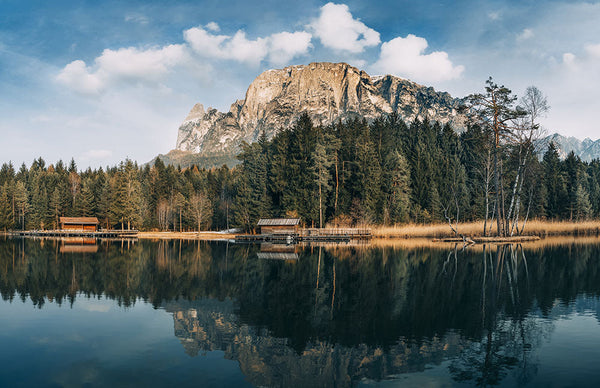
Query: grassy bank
x=185 y=235
x=475 y=229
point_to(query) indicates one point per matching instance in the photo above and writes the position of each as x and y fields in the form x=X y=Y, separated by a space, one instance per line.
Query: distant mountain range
x=327 y=92
x=587 y=149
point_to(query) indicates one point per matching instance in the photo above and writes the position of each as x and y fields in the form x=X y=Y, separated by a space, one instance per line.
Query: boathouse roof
x=79 y=220
x=278 y=221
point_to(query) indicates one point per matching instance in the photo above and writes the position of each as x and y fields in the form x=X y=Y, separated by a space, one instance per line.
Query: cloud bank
x=335 y=28
x=405 y=57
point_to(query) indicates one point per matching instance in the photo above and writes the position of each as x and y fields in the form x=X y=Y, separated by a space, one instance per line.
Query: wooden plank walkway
x=76 y=233
x=310 y=234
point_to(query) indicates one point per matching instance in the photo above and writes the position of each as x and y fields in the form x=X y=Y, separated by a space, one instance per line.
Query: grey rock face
x=326 y=91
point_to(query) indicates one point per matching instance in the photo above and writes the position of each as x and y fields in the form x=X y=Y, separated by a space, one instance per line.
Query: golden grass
x=475 y=229
x=185 y=236
x=417 y=242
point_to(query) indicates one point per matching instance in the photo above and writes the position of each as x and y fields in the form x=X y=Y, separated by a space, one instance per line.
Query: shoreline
x=436 y=233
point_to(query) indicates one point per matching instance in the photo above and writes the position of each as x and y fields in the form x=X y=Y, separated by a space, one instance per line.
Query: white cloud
x=134 y=64
x=212 y=26
x=337 y=29
x=244 y=50
x=286 y=45
x=78 y=77
x=496 y=15
x=569 y=59
x=278 y=48
x=140 y=19
x=593 y=50
x=527 y=33
x=404 y=57
x=125 y=64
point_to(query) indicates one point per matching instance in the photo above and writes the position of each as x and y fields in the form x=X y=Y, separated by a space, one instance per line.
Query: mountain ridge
x=327 y=92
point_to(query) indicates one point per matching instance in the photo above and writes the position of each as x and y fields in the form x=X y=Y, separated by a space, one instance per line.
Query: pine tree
x=55 y=206
x=495 y=111
x=323 y=159
x=397 y=176
x=6 y=212
x=555 y=183
x=87 y=201
x=583 y=206
x=118 y=199
x=40 y=208
x=22 y=205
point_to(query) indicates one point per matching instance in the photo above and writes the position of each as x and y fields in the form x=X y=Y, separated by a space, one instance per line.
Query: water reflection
x=335 y=315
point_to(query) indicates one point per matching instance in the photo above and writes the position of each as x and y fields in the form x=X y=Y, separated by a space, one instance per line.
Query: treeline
x=389 y=172
x=124 y=196
x=385 y=172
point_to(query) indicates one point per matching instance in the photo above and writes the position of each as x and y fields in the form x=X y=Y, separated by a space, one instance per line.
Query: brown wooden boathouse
x=87 y=224
x=285 y=226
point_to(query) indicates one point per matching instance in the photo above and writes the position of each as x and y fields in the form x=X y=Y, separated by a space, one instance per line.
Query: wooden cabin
x=87 y=224
x=281 y=226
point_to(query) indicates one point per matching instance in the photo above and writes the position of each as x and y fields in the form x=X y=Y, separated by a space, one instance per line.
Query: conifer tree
x=6 y=211
x=555 y=183
x=55 y=207
x=583 y=206
x=22 y=205
x=87 y=201
x=495 y=111
x=396 y=174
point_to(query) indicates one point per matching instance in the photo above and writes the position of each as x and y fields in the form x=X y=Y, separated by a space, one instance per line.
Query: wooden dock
x=76 y=233
x=488 y=240
x=310 y=235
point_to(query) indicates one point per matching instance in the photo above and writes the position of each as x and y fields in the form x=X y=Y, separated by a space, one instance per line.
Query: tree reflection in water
x=342 y=313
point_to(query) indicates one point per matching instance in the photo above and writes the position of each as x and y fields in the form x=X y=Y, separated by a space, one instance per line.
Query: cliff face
x=326 y=91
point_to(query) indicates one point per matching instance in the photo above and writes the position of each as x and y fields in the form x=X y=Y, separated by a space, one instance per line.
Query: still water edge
x=213 y=314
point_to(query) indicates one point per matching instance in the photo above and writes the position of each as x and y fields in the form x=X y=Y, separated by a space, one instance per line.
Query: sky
x=101 y=81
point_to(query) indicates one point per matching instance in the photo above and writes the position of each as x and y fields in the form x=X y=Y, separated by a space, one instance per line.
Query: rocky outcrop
x=325 y=91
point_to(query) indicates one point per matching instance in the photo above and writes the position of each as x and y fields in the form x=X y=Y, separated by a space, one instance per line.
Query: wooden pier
x=310 y=235
x=76 y=233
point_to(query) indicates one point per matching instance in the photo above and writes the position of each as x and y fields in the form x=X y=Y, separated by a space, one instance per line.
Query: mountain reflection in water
x=336 y=316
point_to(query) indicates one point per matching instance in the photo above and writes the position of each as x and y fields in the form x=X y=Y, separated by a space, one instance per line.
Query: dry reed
x=475 y=229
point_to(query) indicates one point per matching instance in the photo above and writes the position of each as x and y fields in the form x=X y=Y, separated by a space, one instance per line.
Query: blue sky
x=103 y=80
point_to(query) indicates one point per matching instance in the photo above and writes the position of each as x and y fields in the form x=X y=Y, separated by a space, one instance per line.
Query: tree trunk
x=497 y=188
x=320 y=207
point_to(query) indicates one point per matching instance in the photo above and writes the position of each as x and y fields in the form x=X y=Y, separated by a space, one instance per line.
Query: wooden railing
x=335 y=232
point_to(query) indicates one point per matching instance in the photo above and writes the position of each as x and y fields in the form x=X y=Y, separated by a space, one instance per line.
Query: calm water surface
x=219 y=314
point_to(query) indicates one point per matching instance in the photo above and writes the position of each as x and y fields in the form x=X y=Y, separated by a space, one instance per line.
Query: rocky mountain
x=586 y=149
x=326 y=91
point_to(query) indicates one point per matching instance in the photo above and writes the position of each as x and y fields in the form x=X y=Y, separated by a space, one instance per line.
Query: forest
x=384 y=172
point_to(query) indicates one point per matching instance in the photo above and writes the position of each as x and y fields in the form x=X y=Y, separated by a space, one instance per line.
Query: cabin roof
x=278 y=221
x=79 y=220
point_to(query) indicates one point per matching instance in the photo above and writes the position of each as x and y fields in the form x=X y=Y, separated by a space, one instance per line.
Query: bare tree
x=164 y=211
x=523 y=139
x=201 y=208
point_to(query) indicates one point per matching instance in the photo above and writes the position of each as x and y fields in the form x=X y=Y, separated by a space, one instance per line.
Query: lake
x=194 y=313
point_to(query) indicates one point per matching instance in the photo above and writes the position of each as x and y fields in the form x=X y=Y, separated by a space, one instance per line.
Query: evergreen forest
x=383 y=172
